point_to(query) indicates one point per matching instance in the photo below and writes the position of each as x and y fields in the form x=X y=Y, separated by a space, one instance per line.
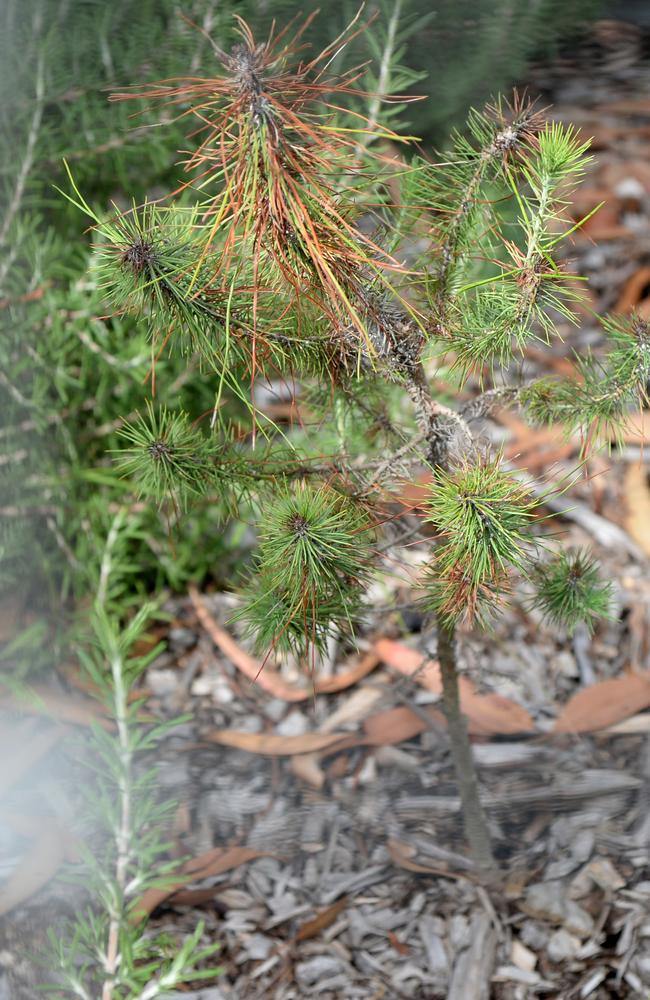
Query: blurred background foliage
x=69 y=373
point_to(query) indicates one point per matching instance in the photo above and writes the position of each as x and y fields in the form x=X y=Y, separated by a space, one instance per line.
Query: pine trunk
x=475 y=824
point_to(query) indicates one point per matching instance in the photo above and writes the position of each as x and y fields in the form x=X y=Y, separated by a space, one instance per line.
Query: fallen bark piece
x=309 y=973
x=549 y=901
x=566 y=793
x=522 y=957
x=429 y=859
x=562 y=946
x=513 y=974
x=434 y=948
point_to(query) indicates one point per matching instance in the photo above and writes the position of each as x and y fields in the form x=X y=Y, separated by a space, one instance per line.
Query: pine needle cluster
x=314 y=558
x=483 y=516
x=167 y=457
x=570 y=590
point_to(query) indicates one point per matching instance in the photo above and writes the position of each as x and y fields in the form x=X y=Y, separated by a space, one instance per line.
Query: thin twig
x=483 y=404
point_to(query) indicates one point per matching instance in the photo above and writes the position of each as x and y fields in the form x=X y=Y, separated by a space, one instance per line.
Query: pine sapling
x=295 y=252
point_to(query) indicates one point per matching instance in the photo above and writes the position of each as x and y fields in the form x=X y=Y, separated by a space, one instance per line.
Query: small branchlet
x=570 y=590
x=171 y=460
x=455 y=193
x=315 y=555
x=597 y=402
x=146 y=263
x=166 y=458
x=488 y=321
x=484 y=519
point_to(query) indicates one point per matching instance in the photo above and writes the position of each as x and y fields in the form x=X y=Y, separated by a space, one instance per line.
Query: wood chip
x=472 y=973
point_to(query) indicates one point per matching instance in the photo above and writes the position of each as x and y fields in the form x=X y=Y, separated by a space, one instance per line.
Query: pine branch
x=598 y=402
x=483 y=516
x=314 y=556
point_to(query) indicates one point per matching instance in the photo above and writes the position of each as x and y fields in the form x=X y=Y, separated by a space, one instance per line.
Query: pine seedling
x=314 y=276
x=570 y=590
